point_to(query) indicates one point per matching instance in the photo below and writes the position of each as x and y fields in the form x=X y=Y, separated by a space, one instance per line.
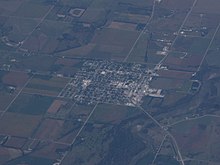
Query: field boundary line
x=178 y=32
x=13 y=100
x=142 y=32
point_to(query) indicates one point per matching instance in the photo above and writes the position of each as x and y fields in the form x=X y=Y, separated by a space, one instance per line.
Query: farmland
x=109 y=82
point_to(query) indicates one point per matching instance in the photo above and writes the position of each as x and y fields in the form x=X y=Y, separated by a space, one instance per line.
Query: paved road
x=142 y=32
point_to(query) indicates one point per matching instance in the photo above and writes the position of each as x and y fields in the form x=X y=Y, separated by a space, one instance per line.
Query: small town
x=111 y=82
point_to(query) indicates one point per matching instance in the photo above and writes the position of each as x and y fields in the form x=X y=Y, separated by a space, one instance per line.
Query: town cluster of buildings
x=111 y=82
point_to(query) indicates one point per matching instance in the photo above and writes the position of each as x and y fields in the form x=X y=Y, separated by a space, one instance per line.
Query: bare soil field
x=17 y=79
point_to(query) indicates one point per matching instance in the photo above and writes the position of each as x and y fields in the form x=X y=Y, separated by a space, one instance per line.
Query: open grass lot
x=93 y=14
x=117 y=46
x=8 y=56
x=18 y=124
x=109 y=36
x=122 y=25
x=141 y=3
x=32 y=9
x=197 y=21
x=176 y=4
x=167 y=24
x=80 y=112
x=82 y=51
x=183 y=61
x=49 y=129
x=45 y=39
x=192 y=45
x=112 y=113
x=5 y=47
x=7 y=154
x=213 y=58
x=58 y=130
x=138 y=54
x=49 y=151
x=63 y=130
x=17 y=29
x=55 y=37
x=10 y=84
x=149 y=48
x=68 y=62
x=16 y=142
x=170 y=84
x=102 y=51
x=34 y=63
x=30 y=159
x=56 y=105
x=40 y=42
x=130 y=18
x=204 y=6
x=31 y=104
x=154 y=57
x=46 y=85
x=172 y=97
x=77 y=3
x=199 y=138
x=202 y=162
x=175 y=74
x=215 y=43
x=5 y=98
x=9 y=7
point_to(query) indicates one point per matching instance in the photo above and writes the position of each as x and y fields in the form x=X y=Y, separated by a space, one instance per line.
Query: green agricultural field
x=193 y=45
x=31 y=104
x=138 y=53
x=16 y=124
x=46 y=85
x=109 y=82
x=17 y=29
x=32 y=9
x=193 y=137
x=30 y=159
